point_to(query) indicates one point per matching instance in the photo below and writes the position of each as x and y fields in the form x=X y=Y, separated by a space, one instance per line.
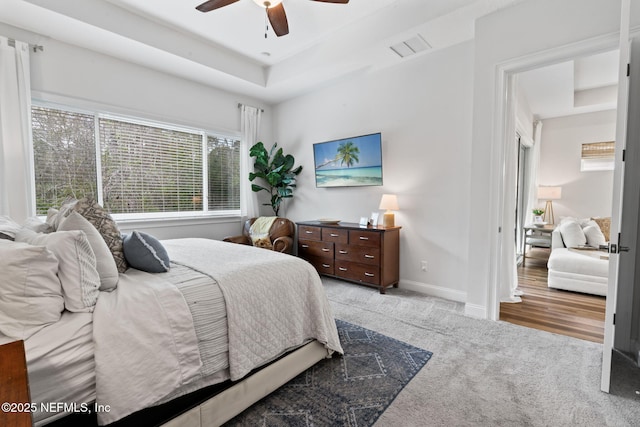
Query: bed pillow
x=36 y=224
x=145 y=253
x=594 y=236
x=8 y=228
x=572 y=234
x=76 y=266
x=102 y=221
x=105 y=264
x=30 y=291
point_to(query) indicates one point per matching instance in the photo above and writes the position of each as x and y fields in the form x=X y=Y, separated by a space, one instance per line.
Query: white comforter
x=145 y=342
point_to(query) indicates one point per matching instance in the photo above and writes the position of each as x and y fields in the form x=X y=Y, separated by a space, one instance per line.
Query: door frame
x=505 y=72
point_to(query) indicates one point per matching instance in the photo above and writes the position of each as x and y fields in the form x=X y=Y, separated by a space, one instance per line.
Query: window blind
x=64 y=154
x=144 y=167
x=598 y=150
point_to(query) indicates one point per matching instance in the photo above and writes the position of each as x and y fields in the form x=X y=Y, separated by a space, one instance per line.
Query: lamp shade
x=549 y=193
x=389 y=202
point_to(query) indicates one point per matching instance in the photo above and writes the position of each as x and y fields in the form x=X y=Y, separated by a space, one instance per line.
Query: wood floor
x=562 y=312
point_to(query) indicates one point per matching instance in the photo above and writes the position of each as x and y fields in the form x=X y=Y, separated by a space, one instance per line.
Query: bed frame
x=232 y=401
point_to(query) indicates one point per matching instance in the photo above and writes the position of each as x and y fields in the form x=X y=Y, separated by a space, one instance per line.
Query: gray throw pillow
x=145 y=252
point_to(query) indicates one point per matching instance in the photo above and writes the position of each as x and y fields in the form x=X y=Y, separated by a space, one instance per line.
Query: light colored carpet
x=487 y=373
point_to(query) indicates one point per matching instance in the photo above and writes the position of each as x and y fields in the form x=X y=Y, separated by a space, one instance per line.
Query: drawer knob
x=364 y=238
x=369 y=256
x=305 y=246
x=342 y=269
x=325 y=250
x=343 y=252
x=308 y=232
x=334 y=235
x=326 y=265
x=369 y=274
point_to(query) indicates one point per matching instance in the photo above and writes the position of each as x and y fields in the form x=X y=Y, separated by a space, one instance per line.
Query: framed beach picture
x=349 y=162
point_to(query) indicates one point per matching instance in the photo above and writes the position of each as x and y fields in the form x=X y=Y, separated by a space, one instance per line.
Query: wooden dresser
x=14 y=386
x=366 y=255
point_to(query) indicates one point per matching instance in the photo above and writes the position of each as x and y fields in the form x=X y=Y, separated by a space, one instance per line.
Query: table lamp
x=389 y=202
x=549 y=194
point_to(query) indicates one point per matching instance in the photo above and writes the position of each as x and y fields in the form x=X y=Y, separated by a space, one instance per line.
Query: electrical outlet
x=423 y=265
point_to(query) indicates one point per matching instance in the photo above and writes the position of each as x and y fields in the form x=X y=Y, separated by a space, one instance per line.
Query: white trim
x=503 y=71
x=434 y=291
x=474 y=310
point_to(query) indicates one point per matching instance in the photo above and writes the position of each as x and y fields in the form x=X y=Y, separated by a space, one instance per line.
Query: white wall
x=584 y=194
x=508 y=36
x=423 y=109
x=63 y=72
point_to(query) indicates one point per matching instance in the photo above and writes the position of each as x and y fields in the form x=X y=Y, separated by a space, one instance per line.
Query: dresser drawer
x=364 y=238
x=309 y=233
x=335 y=235
x=322 y=265
x=359 y=272
x=361 y=254
x=311 y=248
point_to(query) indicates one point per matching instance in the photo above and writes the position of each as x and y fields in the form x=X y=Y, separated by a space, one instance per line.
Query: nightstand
x=14 y=385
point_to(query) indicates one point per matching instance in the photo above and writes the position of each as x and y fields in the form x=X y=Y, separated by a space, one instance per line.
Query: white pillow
x=105 y=264
x=594 y=236
x=30 y=291
x=77 y=266
x=572 y=234
x=8 y=226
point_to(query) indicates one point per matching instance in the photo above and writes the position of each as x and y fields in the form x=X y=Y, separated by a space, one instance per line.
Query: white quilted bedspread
x=275 y=302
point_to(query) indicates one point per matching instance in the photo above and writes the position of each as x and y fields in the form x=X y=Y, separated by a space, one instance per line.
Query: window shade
x=598 y=150
x=150 y=169
x=223 y=155
x=64 y=152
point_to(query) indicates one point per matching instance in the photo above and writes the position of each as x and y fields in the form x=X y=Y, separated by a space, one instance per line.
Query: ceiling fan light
x=267 y=3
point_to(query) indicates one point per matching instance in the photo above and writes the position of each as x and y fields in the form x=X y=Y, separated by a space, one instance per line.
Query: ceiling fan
x=275 y=11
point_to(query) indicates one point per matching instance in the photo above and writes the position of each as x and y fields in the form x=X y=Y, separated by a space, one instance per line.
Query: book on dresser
x=365 y=255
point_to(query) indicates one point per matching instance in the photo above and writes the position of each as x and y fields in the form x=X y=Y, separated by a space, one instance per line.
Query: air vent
x=410 y=47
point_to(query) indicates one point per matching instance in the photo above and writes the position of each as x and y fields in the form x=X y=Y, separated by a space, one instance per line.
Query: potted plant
x=537 y=215
x=277 y=172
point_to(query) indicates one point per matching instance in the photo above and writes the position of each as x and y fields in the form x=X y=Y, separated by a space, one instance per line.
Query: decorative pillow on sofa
x=30 y=291
x=594 y=236
x=76 y=266
x=105 y=264
x=605 y=226
x=572 y=234
x=146 y=253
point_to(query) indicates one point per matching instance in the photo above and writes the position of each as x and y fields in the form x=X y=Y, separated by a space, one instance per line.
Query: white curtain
x=250 y=125
x=532 y=166
x=16 y=177
x=509 y=274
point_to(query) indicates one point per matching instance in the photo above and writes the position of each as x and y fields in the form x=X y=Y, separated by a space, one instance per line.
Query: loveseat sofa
x=578 y=270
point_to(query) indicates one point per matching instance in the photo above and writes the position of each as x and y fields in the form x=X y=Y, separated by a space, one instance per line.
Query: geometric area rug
x=349 y=390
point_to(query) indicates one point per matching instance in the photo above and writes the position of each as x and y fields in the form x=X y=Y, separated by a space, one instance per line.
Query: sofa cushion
x=605 y=226
x=572 y=234
x=565 y=260
x=594 y=236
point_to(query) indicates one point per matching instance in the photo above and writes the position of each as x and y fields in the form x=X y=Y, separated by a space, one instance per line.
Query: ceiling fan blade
x=334 y=1
x=278 y=19
x=214 y=4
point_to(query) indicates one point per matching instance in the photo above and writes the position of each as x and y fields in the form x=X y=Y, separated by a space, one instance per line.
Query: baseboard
x=474 y=310
x=434 y=291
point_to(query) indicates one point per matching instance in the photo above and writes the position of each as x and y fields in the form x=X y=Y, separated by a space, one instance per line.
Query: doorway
x=569 y=313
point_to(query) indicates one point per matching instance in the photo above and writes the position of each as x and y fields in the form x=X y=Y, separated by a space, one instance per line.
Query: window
x=597 y=156
x=140 y=169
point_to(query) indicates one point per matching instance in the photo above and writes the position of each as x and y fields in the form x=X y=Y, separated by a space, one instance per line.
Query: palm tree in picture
x=348 y=153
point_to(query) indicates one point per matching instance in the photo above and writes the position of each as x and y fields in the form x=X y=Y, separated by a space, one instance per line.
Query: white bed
x=140 y=347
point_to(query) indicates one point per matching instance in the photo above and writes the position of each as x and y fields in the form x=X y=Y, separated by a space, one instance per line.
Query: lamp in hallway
x=549 y=193
x=389 y=202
